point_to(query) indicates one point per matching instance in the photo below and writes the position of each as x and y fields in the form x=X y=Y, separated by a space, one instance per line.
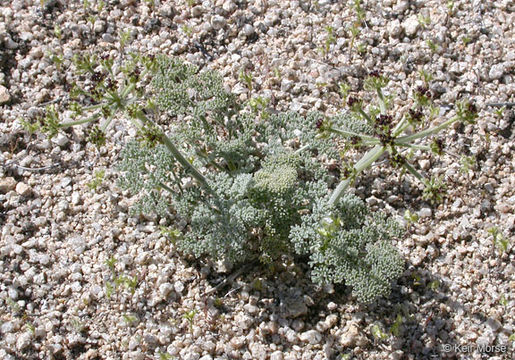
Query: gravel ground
x=81 y=279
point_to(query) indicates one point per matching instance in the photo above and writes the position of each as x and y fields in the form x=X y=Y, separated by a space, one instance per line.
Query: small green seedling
x=395 y=330
x=111 y=262
x=172 y=234
x=246 y=78
x=97 y=180
x=498 y=239
x=190 y=317
x=130 y=319
x=410 y=217
x=378 y=333
x=434 y=285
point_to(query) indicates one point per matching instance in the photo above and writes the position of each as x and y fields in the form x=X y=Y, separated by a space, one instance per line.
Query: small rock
x=4 y=95
x=197 y=11
x=178 y=286
x=60 y=140
x=312 y=336
x=99 y=26
x=258 y=351
x=24 y=341
x=411 y=26
x=350 y=337
x=493 y=324
x=394 y=28
x=7 y=184
x=496 y=71
x=23 y=189
x=425 y=212
x=217 y=22
x=248 y=30
x=276 y=355
x=165 y=289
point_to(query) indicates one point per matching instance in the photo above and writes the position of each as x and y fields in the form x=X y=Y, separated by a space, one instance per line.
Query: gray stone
x=496 y=71
x=311 y=336
x=411 y=25
x=7 y=184
x=4 y=95
x=23 y=189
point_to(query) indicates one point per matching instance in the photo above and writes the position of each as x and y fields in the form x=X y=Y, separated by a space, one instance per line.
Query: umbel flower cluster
x=260 y=189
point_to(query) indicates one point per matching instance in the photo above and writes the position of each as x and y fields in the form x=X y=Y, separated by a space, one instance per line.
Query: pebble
x=218 y=22
x=312 y=336
x=24 y=340
x=5 y=97
x=496 y=71
x=7 y=184
x=411 y=25
x=23 y=189
x=425 y=212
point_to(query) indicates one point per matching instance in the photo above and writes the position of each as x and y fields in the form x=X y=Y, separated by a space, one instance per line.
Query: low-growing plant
x=98 y=177
x=498 y=239
x=252 y=188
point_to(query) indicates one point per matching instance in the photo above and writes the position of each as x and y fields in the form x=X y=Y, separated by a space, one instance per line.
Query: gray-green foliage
x=269 y=190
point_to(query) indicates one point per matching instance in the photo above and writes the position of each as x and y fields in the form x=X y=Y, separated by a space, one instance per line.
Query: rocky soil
x=82 y=279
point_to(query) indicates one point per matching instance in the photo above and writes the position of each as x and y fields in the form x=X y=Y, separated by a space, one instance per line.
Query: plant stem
x=79 y=122
x=178 y=156
x=424 y=133
x=372 y=140
x=414 y=172
x=367 y=160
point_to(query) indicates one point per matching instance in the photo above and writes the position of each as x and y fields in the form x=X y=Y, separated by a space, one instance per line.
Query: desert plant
x=251 y=188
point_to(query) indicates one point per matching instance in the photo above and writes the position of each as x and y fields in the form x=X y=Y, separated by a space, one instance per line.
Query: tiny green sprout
x=130 y=319
x=417 y=279
x=466 y=111
x=191 y=3
x=28 y=126
x=500 y=112
x=187 y=30
x=257 y=285
x=424 y=20
x=425 y=76
x=499 y=240
x=503 y=300
x=50 y=123
x=512 y=337
x=165 y=356
x=466 y=40
x=344 y=89
x=125 y=37
x=329 y=40
x=97 y=136
x=467 y=163
x=246 y=78
x=86 y=4
x=360 y=13
x=395 y=330
x=111 y=262
x=131 y=283
x=437 y=146
x=450 y=7
x=258 y=106
x=77 y=325
x=100 y=5
x=378 y=333
x=149 y=135
x=434 y=190
x=277 y=73
x=98 y=177
x=109 y=289
x=190 y=317
x=410 y=217
x=58 y=32
x=362 y=48
x=218 y=302
x=85 y=63
x=92 y=19
x=345 y=357
x=434 y=285
x=432 y=45
x=30 y=327
x=375 y=81
x=172 y=234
